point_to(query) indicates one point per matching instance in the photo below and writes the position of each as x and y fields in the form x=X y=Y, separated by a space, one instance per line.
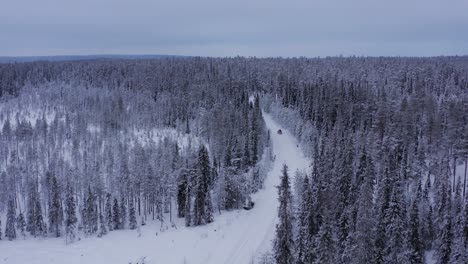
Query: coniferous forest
x=90 y=147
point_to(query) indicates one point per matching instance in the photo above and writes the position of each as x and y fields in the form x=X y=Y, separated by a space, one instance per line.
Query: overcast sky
x=237 y=27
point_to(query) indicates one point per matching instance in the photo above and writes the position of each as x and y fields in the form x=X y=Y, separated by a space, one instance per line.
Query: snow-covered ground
x=236 y=237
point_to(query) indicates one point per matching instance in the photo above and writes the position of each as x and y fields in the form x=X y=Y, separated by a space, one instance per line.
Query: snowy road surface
x=235 y=237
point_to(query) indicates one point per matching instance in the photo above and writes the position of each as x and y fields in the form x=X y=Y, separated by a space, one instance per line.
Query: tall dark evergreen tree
x=21 y=225
x=91 y=216
x=203 y=213
x=324 y=244
x=395 y=219
x=55 y=209
x=123 y=213
x=306 y=225
x=416 y=254
x=40 y=228
x=35 y=222
x=70 y=215
x=445 y=248
x=132 y=216
x=116 y=215
x=102 y=225
x=10 y=231
x=181 y=193
x=284 y=241
x=109 y=216
x=188 y=206
x=445 y=243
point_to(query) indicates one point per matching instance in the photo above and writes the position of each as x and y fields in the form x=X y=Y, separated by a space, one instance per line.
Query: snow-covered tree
x=203 y=208
x=55 y=209
x=21 y=225
x=70 y=215
x=116 y=215
x=109 y=216
x=123 y=213
x=10 y=231
x=284 y=240
x=132 y=216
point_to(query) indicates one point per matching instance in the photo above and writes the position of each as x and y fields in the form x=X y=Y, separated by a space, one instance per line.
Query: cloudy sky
x=237 y=27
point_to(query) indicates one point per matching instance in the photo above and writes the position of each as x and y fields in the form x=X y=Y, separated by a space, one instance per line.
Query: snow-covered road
x=235 y=237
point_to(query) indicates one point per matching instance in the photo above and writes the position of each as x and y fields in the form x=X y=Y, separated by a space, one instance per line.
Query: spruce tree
x=202 y=197
x=188 y=206
x=102 y=226
x=445 y=248
x=123 y=213
x=21 y=225
x=40 y=227
x=306 y=225
x=70 y=216
x=109 y=216
x=430 y=228
x=116 y=215
x=445 y=238
x=457 y=254
x=395 y=220
x=55 y=209
x=415 y=245
x=324 y=245
x=360 y=243
x=32 y=212
x=132 y=216
x=181 y=193
x=10 y=231
x=91 y=213
x=209 y=208
x=284 y=241
x=465 y=224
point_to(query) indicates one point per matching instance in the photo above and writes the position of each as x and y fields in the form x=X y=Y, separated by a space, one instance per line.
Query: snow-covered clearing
x=236 y=237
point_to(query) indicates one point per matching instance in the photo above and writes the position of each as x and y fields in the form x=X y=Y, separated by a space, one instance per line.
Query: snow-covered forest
x=91 y=148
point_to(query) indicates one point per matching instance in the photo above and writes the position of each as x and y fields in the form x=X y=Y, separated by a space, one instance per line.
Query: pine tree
x=445 y=239
x=306 y=225
x=181 y=194
x=132 y=216
x=70 y=216
x=382 y=205
x=188 y=207
x=21 y=225
x=457 y=254
x=10 y=231
x=202 y=198
x=55 y=209
x=209 y=208
x=35 y=223
x=395 y=250
x=430 y=228
x=90 y=214
x=360 y=242
x=110 y=222
x=123 y=213
x=324 y=245
x=465 y=224
x=116 y=216
x=102 y=226
x=445 y=248
x=284 y=241
x=40 y=227
x=415 y=244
